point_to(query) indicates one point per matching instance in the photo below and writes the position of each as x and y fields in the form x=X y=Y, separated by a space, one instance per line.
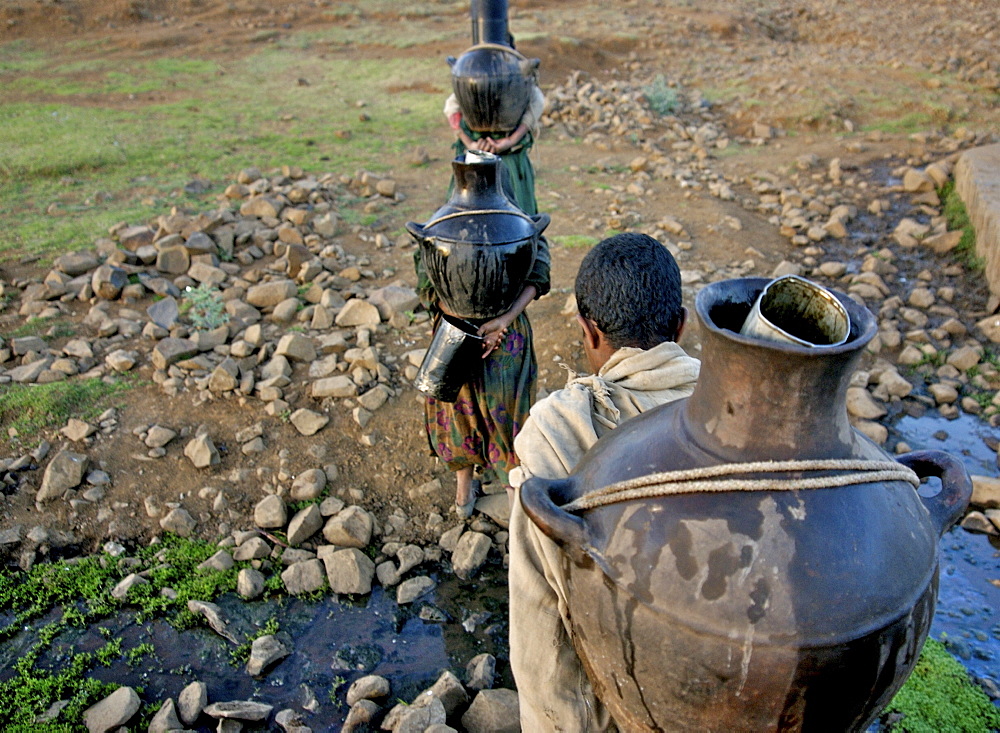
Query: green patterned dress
x=478 y=429
x=520 y=173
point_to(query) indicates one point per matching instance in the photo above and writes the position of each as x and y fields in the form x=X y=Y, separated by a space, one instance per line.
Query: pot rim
x=863 y=323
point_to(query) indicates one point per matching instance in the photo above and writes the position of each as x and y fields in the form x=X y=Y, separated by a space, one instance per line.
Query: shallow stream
x=967 y=617
x=335 y=642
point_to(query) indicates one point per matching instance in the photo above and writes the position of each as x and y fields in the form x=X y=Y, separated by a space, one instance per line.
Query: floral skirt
x=478 y=429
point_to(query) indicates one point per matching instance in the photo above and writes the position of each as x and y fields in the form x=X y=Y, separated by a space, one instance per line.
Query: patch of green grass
x=31 y=327
x=51 y=327
x=572 y=241
x=958 y=218
x=20 y=56
x=29 y=694
x=335 y=685
x=722 y=95
x=29 y=409
x=212 y=133
x=936 y=360
x=906 y=123
x=343 y=35
x=939 y=696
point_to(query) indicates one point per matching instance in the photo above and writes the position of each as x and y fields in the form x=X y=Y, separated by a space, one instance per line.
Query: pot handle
x=947 y=506
x=416 y=230
x=541 y=222
x=538 y=499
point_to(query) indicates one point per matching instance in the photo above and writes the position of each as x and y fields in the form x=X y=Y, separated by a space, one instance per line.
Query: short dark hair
x=630 y=286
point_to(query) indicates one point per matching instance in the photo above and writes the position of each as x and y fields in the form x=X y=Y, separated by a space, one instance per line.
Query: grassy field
x=108 y=144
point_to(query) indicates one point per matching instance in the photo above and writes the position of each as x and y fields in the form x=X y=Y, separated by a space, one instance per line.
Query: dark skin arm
x=489 y=145
x=494 y=330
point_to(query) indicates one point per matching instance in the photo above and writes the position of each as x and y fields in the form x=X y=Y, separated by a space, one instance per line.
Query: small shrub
x=660 y=98
x=204 y=308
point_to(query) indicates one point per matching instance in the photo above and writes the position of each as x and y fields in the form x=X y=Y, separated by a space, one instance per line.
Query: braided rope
x=476 y=212
x=702 y=480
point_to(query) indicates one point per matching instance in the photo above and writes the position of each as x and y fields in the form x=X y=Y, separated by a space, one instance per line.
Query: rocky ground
x=270 y=347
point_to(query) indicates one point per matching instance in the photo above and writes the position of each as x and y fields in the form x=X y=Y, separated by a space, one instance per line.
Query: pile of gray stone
x=475 y=705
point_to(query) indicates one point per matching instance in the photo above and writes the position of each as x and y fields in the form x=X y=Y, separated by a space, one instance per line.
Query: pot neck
x=766 y=400
x=477 y=185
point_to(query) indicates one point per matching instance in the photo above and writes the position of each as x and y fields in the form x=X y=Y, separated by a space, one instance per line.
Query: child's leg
x=463 y=485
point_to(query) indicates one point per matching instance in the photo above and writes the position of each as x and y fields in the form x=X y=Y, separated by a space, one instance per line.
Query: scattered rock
x=470 y=554
x=413 y=588
x=191 y=702
x=112 y=712
x=179 y=521
x=250 y=583
x=270 y=512
x=239 y=710
x=493 y=711
x=65 y=471
x=308 y=422
x=265 y=651
x=304 y=577
x=166 y=718
x=202 y=452
x=216 y=620
x=369 y=687
x=480 y=672
x=349 y=571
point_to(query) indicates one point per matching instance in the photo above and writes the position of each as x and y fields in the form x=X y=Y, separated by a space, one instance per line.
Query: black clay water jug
x=760 y=610
x=479 y=247
x=492 y=81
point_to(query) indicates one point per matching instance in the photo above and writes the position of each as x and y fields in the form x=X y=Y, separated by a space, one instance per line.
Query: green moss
x=81 y=591
x=109 y=652
x=939 y=696
x=958 y=219
x=134 y=655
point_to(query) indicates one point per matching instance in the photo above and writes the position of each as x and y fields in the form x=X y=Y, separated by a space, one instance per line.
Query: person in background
x=511 y=145
x=628 y=293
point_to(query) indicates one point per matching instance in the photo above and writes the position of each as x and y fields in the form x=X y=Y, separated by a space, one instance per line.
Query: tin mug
x=797 y=311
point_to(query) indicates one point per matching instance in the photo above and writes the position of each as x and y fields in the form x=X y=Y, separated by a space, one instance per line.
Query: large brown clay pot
x=750 y=611
x=479 y=247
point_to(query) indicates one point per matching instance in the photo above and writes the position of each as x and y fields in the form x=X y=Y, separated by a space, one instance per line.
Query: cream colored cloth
x=564 y=425
x=554 y=693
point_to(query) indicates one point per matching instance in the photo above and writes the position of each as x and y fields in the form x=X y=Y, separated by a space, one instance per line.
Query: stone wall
x=977 y=180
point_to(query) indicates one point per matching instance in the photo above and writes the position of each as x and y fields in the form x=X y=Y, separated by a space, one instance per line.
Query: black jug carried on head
x=478 y=248
x=492 y=82
x=744 y=559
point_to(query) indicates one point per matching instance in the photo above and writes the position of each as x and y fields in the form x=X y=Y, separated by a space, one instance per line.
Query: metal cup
x=794 y=310
x=455 y=351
